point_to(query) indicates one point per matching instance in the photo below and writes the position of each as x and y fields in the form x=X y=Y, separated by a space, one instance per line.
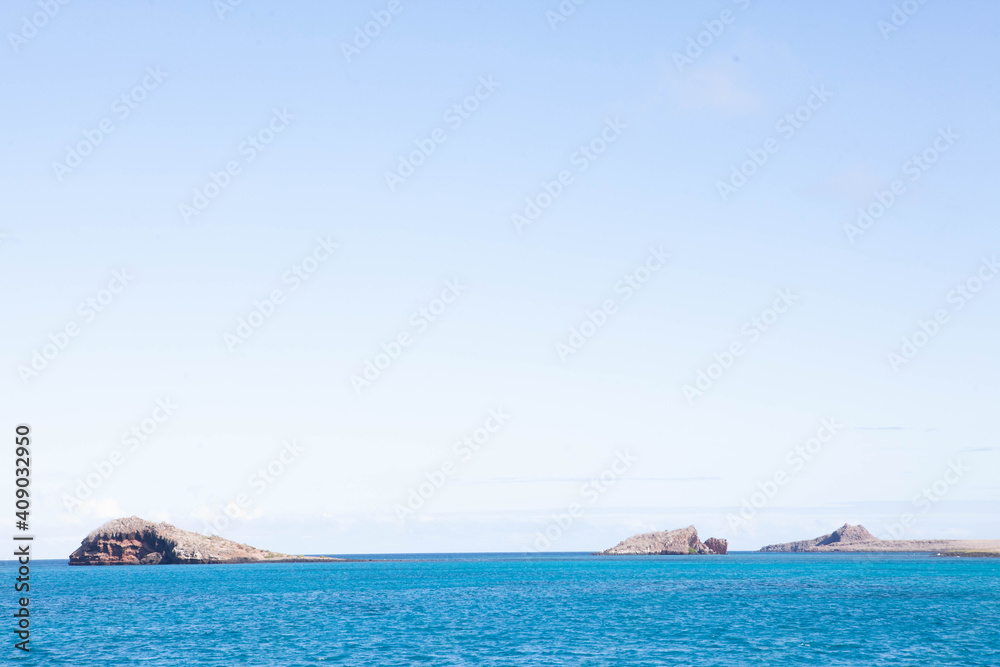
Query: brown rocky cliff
x=665 y=542
x=135 y=541
x=717 y=545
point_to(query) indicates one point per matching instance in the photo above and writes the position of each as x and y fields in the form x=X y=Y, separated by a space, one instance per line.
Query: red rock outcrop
x=717 y=545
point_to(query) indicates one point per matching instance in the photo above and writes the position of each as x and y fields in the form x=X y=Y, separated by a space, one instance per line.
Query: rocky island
x=135 y=541
x=857 y=539
x=683 y=541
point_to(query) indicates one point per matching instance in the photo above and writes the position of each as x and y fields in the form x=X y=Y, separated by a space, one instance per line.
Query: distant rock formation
x=857 y=539
x=135 y=541
x=717 y=545
x=843 y=536
x=682 y=541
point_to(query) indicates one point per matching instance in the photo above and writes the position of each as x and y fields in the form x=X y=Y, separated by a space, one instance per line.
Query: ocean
x=514 y=609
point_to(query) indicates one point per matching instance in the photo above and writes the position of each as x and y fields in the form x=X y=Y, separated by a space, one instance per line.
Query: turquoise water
x=503 y=609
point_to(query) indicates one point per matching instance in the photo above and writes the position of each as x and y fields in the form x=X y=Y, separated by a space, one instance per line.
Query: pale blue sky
x=656 y=185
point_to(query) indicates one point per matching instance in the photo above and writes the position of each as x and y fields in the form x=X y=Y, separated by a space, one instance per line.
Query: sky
x=501 y=276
